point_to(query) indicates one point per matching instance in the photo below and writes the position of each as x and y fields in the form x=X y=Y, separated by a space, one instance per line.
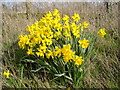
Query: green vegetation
x=29 y=71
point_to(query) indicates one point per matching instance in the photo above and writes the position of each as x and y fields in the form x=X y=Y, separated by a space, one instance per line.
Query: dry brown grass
x=102 y=72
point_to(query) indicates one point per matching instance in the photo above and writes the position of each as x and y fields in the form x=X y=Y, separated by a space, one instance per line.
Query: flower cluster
x=51 y=28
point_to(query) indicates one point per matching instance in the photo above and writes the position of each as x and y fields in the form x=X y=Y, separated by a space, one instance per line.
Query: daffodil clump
x=51 y=29
x=59 y=46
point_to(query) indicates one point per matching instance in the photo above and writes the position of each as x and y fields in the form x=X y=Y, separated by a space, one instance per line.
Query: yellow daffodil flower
x=6 y=74
x=66 y=18
x=84 y=43
x=85 y=24
x=50 y=53
x=40 y=53
x=76 y=17
x=57 y=51
x=102 y=32
x=78 y=60
x=30 y=52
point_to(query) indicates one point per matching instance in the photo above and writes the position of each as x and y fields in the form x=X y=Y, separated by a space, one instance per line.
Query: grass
x=101 y=71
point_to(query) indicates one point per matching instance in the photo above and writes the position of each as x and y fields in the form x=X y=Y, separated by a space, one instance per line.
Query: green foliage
x=32 y=71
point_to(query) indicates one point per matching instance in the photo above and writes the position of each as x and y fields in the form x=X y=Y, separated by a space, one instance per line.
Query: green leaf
x=21 y=73
x=28 y=60
x=68 y=78
x=40 y=69
x=59 y=75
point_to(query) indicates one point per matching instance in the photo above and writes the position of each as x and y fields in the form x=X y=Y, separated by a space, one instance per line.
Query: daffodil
x=76 y=17
x=68 y=54
x=66 y=18
x=58 y=26
x=6 y=74
x=23 y=41
x=48 y=41
x=84 y=43
x=102 y=32
x=42 y=48
x=57 y=51
x=78 y=60
x=40 y=53
x=50 y=53
x=55 y=12
x=66 y=48
x=30 y=51
x=76 y=33
x=85 y=24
